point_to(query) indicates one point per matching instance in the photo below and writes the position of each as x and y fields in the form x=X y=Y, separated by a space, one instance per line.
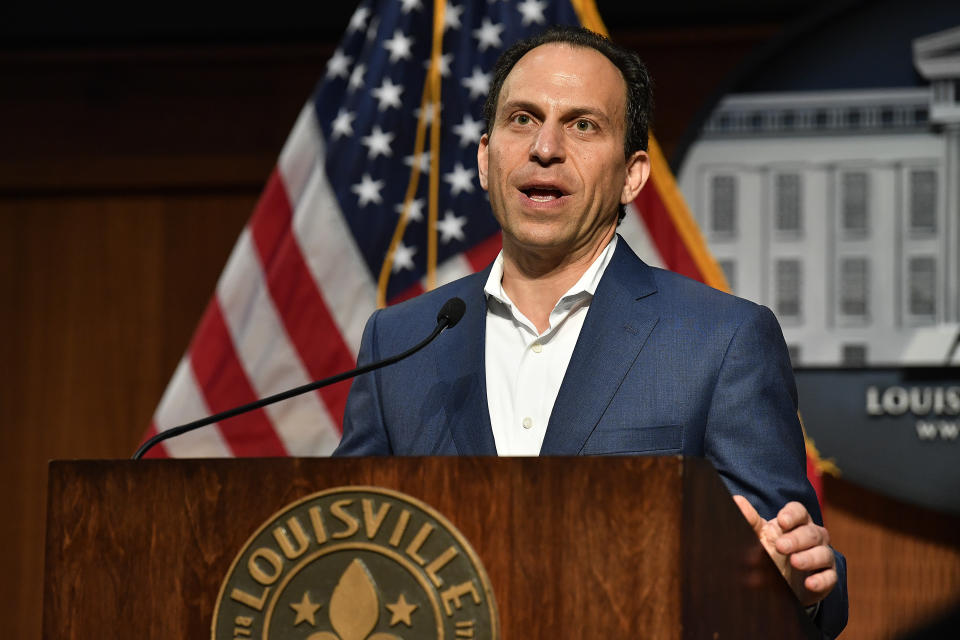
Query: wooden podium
x=575 y=548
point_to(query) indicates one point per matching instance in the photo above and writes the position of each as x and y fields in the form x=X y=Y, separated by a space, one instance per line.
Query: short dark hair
x=635 y=76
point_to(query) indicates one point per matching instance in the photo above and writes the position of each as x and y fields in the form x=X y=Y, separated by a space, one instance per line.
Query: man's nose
x=547 y=146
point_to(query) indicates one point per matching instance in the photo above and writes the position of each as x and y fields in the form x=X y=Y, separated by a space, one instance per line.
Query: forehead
x=558 y=72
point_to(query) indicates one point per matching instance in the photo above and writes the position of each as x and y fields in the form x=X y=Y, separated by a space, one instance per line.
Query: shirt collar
x=587 y=284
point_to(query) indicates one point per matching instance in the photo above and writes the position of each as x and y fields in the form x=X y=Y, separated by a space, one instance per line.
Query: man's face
x=553 y=160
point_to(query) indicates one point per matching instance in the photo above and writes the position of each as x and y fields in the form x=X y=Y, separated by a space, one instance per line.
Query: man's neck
x=535 y=281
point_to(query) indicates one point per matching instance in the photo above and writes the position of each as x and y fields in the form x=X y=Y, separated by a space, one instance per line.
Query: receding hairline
x=624 y=106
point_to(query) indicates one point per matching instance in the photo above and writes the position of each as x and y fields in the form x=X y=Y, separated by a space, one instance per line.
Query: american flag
x=304 y=276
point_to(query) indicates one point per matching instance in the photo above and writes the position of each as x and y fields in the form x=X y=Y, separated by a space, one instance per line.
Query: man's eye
x=522 y=119
x=584 y=125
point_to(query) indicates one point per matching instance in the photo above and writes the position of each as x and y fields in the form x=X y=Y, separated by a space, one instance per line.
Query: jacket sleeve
x=754 y=439
x=364 y=431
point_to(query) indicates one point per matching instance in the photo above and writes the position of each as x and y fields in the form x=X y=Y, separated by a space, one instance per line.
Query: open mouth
x=542 y=194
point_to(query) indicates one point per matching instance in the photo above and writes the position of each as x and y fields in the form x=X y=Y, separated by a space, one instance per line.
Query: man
x=572 y=345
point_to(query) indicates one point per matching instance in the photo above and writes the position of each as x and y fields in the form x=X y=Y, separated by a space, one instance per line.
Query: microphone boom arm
x=443 y=322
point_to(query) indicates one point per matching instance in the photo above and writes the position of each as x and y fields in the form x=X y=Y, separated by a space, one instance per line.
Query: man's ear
x=638 y=171
x=482 y=159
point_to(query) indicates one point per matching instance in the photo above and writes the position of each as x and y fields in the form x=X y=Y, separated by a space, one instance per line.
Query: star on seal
x=401 y=611
x=306 y=610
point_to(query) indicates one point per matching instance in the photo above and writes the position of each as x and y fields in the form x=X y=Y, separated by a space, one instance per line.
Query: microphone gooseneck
x=450 y=314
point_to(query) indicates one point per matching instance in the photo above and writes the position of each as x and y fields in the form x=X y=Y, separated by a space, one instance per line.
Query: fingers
x=819 y=585
x=750 y=514
x=815 y=559
x=798 y=546
x=801 y=538
x=792 y=516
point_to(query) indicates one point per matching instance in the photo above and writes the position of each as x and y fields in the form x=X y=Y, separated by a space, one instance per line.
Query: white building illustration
x=840 y=211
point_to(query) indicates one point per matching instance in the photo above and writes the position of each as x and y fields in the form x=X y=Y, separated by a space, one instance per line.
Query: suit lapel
x=614 y=331
x=463 y=368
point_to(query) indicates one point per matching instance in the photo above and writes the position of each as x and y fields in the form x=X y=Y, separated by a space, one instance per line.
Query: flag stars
x=342 y=125
x=445 y=60
x=422 y=161
x=338 y=65
x=532 y=11
x=359 y=19
x=428 y=116
x=478 y=83
x=368 y=190
x=469 y=131
x=403 y=258
x=398 y=46
x=451 y=16
x=387 y=95
x=378 y=143
x=488 y=35
x=460 y=179
x=415 y=212
x=356 y=77
x=411 y=5
x=451 y=227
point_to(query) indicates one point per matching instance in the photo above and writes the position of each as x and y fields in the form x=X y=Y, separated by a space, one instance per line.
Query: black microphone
x=449 y=315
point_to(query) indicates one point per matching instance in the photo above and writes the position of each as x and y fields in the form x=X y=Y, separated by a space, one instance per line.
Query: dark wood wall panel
x=904 y=561
x=101 y=295
x=158 y=117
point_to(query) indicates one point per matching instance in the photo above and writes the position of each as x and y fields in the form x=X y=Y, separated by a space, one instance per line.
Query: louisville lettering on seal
x=356 y=563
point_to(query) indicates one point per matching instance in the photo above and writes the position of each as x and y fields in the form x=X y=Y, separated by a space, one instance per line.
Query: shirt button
x=527 y=423
x=537 y=347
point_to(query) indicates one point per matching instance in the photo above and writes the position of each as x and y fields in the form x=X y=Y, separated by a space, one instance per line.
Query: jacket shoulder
x=422 y=310
x=685 y=296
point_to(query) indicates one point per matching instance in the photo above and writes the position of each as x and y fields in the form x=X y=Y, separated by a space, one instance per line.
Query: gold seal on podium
x=356 y=563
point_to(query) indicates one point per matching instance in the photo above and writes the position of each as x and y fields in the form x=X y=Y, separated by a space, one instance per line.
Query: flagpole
x=433 y=78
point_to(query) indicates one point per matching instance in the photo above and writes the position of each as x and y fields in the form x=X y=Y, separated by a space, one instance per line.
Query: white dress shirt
x=525 y=368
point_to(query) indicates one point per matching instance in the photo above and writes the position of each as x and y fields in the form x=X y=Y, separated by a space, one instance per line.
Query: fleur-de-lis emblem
x=354 y=608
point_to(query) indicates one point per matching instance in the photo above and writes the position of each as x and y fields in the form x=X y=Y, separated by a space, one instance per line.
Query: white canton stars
x=532 y=11
x=388 y=95
x=423 y=161
x=356 y=77
x=415 y=212
x=359 y=19
x=368 y=190
x=399 y=50
x=451 y=227
x=445 y=61
x=428 y=119
x=488 y=35
x=343 y=124
x=378 y=143
x=451 y=16
x=478 y=83
x=469 y=131
x=460 y=179
x=403 y=257
x=398 y=46
x=338 y=65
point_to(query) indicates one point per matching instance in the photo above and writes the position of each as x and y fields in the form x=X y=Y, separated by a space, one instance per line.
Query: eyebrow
x=572 y=112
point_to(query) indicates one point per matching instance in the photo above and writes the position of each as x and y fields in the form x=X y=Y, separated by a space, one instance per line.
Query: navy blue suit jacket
x=663 y=365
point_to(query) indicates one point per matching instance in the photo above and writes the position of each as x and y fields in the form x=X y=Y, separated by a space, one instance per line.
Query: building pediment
x=937 y=56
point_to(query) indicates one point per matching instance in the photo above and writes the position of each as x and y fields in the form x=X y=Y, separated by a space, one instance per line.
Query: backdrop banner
x=895 y=430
